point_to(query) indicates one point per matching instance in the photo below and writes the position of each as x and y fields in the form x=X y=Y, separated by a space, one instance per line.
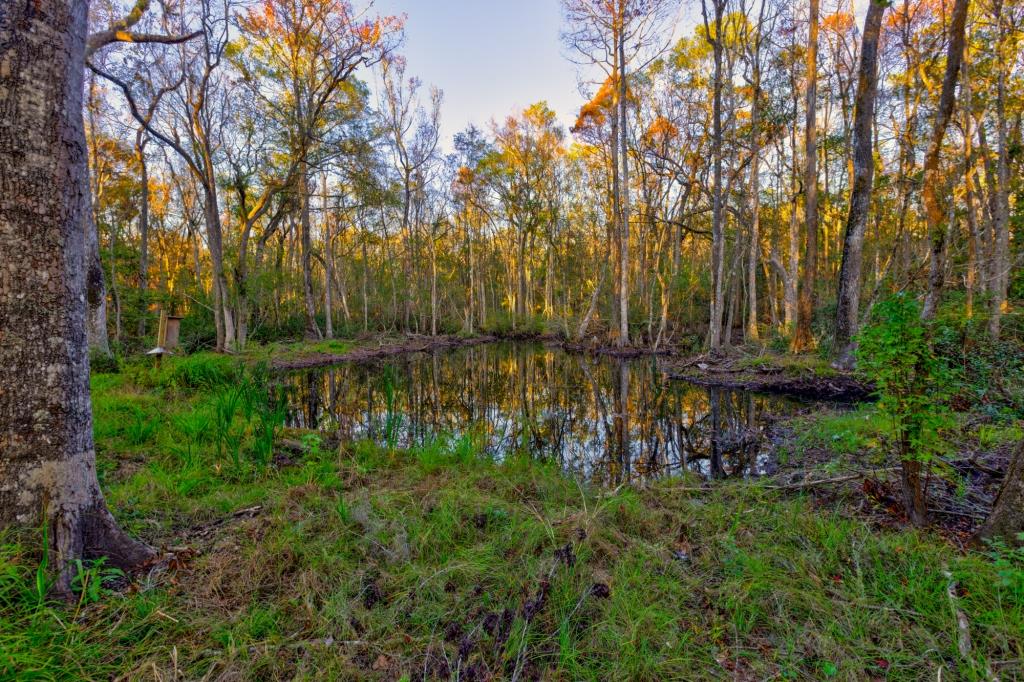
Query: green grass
x=370 y=563
x=861 y=431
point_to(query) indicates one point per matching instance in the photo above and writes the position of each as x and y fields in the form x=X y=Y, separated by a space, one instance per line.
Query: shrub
x=896 y=351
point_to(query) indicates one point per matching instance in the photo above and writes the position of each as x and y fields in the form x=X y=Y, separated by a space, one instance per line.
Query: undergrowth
x=367 y=562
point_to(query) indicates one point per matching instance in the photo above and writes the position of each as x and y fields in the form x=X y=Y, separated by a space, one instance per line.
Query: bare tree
x=617 y=36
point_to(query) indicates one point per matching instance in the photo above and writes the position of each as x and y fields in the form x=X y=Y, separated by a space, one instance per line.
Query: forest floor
x=359 y=562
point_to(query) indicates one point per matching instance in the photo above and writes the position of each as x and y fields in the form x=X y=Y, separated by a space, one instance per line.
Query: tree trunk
x=140 y=156
x=717 y=229
x=1001 y=225
x=47 y=456
x=934 y=212
x=95 y=288
x=328 y=224
x=803 y=339
x=221 y=309
x=754 y=255
x=307 y=266
x=623 y=338
x=860 y=196
x=1007 y=518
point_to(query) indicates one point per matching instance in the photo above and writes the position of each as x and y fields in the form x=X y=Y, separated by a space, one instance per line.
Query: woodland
x=814 y=201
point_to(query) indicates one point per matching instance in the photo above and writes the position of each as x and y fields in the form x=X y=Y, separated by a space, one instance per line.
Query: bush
x=896 y=351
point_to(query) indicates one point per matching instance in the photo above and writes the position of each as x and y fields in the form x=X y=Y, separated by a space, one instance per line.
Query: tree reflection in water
x=609 y=420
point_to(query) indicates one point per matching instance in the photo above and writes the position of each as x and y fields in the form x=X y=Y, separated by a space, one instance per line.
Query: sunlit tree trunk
x=754 y=254
x=623 y=338
x=803 y=339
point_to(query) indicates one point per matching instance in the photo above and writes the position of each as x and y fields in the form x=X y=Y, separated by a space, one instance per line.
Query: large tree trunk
x=934 y=211
x=1007 y=518
x=860 y=197
x=803 y=339
x=47 y=457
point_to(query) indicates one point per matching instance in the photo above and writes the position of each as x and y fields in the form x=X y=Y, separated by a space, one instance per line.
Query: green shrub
x=896 y=351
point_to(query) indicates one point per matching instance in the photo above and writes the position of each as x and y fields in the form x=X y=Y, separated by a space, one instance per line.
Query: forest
x=718 y=374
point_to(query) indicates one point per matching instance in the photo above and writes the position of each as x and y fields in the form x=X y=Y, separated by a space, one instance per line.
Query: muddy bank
x=770 y=377
x=383 y=349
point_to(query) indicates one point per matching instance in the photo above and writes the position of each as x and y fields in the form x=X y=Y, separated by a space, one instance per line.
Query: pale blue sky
x=492 y=57
x=489 y=56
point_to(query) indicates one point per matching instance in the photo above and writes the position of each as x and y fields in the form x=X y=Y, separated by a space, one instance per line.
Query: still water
x=604 y=419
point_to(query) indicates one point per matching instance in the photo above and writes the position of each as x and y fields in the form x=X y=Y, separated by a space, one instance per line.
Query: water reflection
x=609 y=420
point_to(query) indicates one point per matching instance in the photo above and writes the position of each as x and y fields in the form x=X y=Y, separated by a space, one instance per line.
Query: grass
x=371 y=563
x=861 y=431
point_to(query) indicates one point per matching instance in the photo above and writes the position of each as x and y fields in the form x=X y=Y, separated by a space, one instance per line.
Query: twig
x=962 y=624
x=828 y=481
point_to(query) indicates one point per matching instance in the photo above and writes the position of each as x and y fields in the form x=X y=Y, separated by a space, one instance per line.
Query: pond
x=605 y=419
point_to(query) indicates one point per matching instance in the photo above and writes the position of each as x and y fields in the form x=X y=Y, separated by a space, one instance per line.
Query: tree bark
x=307 y=252
x=623 y=338
x=803 y=339
x=47 y=456
x=860 y=196
x=934 y=212
x=1007 y=518
x=140 y=157
x=1001 y=225
x=717 y=229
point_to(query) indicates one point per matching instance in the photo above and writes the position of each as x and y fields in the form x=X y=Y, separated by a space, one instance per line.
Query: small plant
x=140 y=430
x=1009 y=563
x=193 y=425
x=271 y=413
x=230 y=436
x=90 y=580
x=895 y=350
